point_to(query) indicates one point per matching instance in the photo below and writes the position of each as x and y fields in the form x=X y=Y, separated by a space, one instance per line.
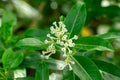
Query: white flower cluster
x=59 y=36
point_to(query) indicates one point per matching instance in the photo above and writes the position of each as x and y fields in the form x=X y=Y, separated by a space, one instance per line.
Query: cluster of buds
x=59 y=36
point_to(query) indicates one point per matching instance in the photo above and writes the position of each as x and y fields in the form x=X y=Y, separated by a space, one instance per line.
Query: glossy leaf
x=107 y=67
x=12 y=59
x=110 y=35
x=92 y=43
x=42 y=72
x=36 y=33
x=75 y=19
x=85 y=69
x=31 y=44
x=8 y=21
x=33 y=60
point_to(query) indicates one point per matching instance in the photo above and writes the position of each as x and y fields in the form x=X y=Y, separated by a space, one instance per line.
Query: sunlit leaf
x=93 y=43
x=110 y=35
x=31 y=44
x=75 y=19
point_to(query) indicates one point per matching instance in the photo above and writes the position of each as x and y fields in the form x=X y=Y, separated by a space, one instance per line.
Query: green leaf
x=3 y=76
x=85 y=69
x=31 y=44
x=36 y=33
x=93 y=4
x=31 y=61
x=93 y=43
x=54 y=64
x=62 y=18
x=75 y=19
x=40 y=34
x=107 y=67
x=67 y=74
x=9 y=74
x=110 y=35
x=42 y=72
x=107 y=76
x=12 y=59
x=26 y=78
x=8 y=21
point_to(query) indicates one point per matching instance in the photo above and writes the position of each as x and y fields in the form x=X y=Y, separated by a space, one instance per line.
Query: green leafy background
x=24 y=25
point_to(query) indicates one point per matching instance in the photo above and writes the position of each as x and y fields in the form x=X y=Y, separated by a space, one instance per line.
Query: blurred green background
x=102 y=16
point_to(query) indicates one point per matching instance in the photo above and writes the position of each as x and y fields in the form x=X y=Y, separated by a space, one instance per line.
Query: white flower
x=48 y=35
x=55 y=24
x=52 y=30
x=51 y=48
x=63 y=49
x=52 y=76
x=46 y=41
x=64 y=37
x=47 y=56
x=75 y=37
x=59 y=42
x=71 y=44
x=51 y=37
x=68 y=62
x=70 y=51
x=61 y=65
x=66 y=45
x=64 y=52
x=59 y=36
x=70 y=68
